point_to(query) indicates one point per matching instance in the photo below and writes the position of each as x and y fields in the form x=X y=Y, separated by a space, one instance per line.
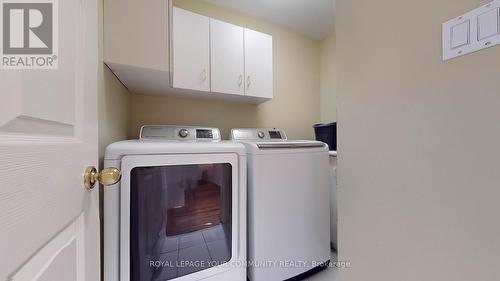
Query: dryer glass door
x=180 y=219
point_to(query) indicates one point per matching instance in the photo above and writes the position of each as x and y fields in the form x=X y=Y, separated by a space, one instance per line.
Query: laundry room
x=250 y=72
x=249 y=140
x=301 y=82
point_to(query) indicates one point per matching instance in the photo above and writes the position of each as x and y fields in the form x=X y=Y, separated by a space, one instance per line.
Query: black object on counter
x=327 y=133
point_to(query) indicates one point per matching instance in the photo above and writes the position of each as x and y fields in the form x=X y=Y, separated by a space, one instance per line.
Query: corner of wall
x=328 y=81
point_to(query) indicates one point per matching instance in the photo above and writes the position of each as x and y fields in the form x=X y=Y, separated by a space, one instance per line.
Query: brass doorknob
x=107 y=176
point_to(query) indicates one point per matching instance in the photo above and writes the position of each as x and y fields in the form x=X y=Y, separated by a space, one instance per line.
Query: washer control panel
x=181 y=133
x=258 y=134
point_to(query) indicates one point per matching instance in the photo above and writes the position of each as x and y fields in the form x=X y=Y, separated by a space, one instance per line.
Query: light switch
x=471 y=32
x=487 y=24
x=460 y=34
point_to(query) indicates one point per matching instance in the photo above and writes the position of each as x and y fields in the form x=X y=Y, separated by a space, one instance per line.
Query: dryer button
x=183 y=133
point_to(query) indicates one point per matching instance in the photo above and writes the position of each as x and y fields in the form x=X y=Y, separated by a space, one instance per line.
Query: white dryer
x=288 y=205
x=179 y=212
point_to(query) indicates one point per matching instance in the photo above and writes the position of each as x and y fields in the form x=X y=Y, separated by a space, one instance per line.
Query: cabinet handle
x=249 y=82
x=204 y=75
x=240 y=80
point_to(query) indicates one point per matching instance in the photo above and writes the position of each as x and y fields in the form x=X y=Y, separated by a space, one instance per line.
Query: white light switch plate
x=473 y=31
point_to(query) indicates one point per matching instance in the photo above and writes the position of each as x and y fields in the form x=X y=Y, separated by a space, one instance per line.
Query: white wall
x=419 y=172
x=328 y=76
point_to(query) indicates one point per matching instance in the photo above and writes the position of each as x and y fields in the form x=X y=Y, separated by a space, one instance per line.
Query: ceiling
x=313 y=18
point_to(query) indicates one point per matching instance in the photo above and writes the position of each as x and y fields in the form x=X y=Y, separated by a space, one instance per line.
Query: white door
x=227 y=57
x=191 y=50
x=258 y=64
x=49 y=223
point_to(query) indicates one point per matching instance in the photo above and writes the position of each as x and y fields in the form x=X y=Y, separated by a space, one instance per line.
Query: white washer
x=288 y=205
x=179 y=212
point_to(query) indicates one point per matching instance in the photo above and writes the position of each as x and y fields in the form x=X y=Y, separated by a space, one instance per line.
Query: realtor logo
x=29 y=34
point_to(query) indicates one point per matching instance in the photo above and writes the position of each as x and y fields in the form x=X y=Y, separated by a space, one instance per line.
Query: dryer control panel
x=180 y=133
x=258 y=134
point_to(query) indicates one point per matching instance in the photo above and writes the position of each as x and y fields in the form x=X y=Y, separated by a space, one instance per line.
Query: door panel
x=60 y=259
x=48 y=136
x=258 y=64
x=29 y=110
x=227 y=58
x=63 y=266
x=191 y=50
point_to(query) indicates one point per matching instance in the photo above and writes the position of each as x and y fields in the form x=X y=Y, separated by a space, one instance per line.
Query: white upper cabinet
x=155 y=48
x=136 y=45
x=191 y=50
x=258 y=64
x=227 y=58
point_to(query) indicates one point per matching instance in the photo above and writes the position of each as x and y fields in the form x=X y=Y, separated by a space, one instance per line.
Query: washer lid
x=284 y=146
x=289 y=145
x=273 y=141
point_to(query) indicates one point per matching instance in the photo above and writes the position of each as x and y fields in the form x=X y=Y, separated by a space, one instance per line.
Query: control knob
x=183 y=133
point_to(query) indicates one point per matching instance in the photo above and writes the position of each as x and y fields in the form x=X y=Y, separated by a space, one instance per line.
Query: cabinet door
x=191 y=50
x=136 y=34
x=227 y=58
x=258 y=64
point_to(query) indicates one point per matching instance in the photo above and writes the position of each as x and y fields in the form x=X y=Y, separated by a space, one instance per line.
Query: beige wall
x=328 y=78
x=194 y=112
x=114 y=115
x=113 y=102
x=114 y=110
x=419 y=180
x=295 y=106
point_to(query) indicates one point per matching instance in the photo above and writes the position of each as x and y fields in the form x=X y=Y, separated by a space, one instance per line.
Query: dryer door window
x=180 y=220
